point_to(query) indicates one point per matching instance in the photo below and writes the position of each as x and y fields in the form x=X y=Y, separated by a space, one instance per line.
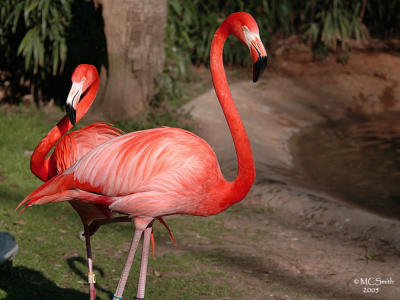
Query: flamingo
x=164 y=171
x=71 y=147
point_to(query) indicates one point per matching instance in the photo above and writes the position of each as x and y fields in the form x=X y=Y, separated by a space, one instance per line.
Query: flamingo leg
x=143 y=266
x=91 y=276
x=95 y=225
x=125 y=273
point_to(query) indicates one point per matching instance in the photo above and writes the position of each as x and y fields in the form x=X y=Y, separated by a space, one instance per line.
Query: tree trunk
x=134 y=31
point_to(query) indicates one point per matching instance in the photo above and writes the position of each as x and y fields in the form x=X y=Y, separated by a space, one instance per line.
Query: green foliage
x=191 y=26
x=42 y=41
x=192 y=23
x=333 y=23
x=37 y=35
x=33 y=37
x=327 y=24
x=41 y=25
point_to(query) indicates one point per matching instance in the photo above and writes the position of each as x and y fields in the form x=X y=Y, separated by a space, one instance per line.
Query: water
x=357 y=160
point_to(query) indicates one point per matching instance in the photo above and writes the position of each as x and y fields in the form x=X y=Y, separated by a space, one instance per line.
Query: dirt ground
x=307 y=244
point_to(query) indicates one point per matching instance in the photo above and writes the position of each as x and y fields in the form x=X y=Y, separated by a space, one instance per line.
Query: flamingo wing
x=77 y=143
x=153 y=173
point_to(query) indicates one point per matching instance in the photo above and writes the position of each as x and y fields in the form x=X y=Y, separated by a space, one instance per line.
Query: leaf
x=25 y=48
x=14 y=16
x=55 y=56
x=45 y=13
x=28 y=9
x=175 y=6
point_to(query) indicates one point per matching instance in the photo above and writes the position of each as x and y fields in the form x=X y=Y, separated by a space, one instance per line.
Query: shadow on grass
x=72 y=263
x=31 y=284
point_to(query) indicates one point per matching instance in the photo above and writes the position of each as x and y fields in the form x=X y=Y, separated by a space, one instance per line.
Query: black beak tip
x=259 y=67
x=71 y=113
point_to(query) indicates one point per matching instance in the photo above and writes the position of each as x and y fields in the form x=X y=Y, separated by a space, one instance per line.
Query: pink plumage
x=77 y=143
x=158 y=172
x=151 y=173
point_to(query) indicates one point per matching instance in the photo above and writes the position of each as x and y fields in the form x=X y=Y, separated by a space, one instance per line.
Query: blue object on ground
x=8 y=247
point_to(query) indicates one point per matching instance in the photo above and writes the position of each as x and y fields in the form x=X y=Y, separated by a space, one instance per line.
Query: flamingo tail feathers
x=61 y=188
x=50 y=187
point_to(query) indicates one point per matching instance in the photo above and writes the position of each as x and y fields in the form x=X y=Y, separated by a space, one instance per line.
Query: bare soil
x=293 y=240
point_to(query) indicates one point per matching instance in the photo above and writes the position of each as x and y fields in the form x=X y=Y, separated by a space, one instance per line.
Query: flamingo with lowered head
x=159 y=172
x=72 y=146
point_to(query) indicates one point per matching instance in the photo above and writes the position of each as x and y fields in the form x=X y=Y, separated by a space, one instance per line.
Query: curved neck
x=238 y=189
x=87 y=99
x=40 y=165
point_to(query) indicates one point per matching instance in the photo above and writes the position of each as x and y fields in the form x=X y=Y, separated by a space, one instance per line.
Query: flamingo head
x=245 y=28
x=82 y=78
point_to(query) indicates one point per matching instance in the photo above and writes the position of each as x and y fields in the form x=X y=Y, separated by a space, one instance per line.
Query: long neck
x=246 y=172
x=40 y=165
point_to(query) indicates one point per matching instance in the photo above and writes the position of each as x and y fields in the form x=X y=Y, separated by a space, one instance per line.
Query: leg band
x=91 y=277
x=116 y=298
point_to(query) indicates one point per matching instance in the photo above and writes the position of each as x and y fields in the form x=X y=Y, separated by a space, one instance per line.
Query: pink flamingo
x=159 y=172
x=71 y=147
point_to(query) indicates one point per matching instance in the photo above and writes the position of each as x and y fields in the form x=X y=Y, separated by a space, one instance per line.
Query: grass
x=51 y=261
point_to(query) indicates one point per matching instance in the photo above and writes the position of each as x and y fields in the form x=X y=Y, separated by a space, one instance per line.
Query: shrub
x=42 y=25
x=36 y=31
x=333 y=23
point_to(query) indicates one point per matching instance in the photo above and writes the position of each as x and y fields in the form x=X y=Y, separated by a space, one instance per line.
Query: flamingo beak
x=259 y=67
x=260 y=57
x=71 y=113
x=73 y=100
x=257 y=51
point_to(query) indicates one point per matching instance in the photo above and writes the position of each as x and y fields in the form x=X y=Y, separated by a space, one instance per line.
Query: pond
x=356 y=160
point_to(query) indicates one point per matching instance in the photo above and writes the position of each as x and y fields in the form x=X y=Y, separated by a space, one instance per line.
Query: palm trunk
x=135 y=33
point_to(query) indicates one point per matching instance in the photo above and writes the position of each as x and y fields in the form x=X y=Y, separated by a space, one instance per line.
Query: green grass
x=51 y=262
